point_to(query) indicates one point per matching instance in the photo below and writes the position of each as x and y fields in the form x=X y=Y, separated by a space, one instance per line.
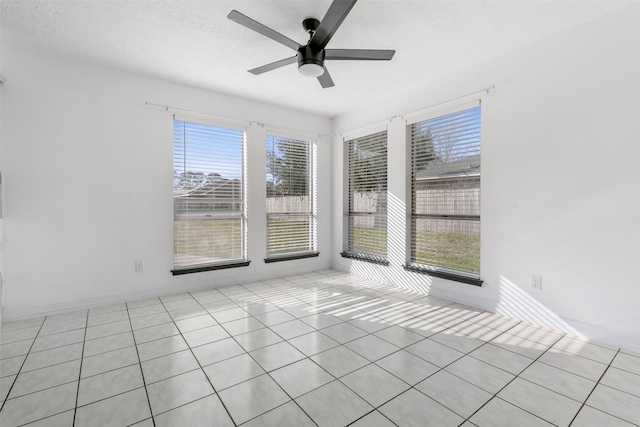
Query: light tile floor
x=324 y=348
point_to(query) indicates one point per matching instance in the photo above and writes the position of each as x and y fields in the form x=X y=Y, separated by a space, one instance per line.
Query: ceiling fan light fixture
x=311 y=70
x=310 y=61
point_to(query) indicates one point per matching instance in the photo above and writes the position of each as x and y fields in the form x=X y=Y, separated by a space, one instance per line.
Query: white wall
x=1 y=223
x=560 y=183
x=88 y=184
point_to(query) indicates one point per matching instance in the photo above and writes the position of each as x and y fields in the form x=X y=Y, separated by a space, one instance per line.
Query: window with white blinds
x=445 y=194
x=208 y=195
x=291 y=219
x=366 y=225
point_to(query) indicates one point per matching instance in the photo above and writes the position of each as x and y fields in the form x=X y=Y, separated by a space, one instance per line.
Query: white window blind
x=366 y=234
x=445 y=190
x=208 y=194
x=291 y=222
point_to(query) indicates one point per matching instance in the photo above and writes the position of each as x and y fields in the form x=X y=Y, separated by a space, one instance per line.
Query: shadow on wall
x=516 y=303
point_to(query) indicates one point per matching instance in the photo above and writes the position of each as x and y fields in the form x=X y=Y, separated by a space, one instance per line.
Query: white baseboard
x=13 y=314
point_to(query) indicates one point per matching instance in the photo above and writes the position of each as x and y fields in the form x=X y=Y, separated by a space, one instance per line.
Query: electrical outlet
x=536 y=282
x=139 y=266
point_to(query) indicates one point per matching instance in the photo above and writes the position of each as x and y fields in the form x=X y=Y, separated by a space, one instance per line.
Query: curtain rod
x=486 y=90
x=170 y=108
x=402 y=116
x=243 y=121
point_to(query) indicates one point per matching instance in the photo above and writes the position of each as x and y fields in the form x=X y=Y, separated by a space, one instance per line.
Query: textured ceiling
x=193 y=42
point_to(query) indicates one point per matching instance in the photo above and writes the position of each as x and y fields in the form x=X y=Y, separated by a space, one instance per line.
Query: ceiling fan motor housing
x=308 y=55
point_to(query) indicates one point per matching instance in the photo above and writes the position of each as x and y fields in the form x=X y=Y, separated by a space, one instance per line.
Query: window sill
x=444 y=275
x=291 y=257
x=189 y=270
x=365 y=258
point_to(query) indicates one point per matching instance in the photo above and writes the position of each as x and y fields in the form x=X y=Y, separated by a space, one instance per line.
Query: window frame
x=347 y=251
x=311 y=184
x=462 y=276
x=242 y=261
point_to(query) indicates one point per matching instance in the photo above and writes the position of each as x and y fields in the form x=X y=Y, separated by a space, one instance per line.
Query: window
x=366 y=233
x=291 y=219
x=445 y=196
x=208 y=197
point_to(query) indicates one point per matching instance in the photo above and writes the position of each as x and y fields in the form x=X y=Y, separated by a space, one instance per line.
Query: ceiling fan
x=311 y=57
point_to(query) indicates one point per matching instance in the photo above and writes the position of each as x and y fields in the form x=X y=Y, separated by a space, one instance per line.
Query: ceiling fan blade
x=245 y=21
x=331 y=21
x=274 y=65
x=325 y=79
x=359 y=54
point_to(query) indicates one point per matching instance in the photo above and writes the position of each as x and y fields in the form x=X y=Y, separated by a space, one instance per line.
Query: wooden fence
x=288 y=204
x=463 y=201
x=430 y=200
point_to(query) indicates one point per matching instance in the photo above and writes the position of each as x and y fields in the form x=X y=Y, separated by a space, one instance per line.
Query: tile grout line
x=375 y=410
x=594 y=388
x=619 y=389
x=564 y=370
x=22 y=365
x=75 y=407
x=495 y=395
x=215 y=392
x=144 y=383
x=48 y=366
